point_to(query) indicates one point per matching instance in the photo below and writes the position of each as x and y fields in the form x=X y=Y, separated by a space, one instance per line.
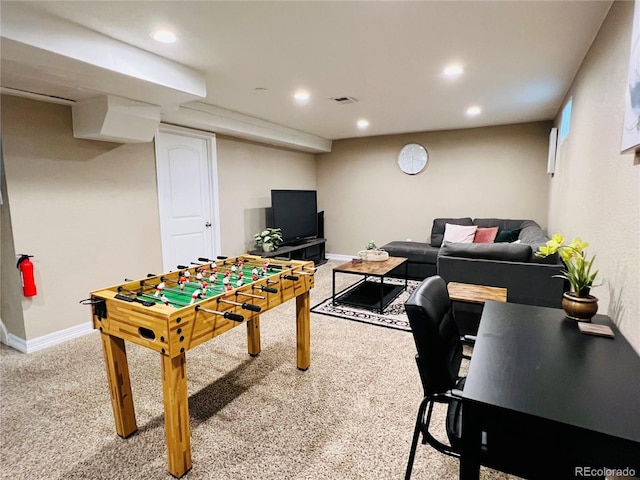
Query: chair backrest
x=435 y=334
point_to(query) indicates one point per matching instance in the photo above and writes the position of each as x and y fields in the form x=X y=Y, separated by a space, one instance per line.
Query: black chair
x=439 y=357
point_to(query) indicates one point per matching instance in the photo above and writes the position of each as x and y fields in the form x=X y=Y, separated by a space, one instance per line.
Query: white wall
x=480 y=172
x=86 y=210
x=595 y=193
x=247 y=174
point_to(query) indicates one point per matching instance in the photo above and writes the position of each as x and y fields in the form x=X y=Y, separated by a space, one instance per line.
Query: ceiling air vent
x=344 y=100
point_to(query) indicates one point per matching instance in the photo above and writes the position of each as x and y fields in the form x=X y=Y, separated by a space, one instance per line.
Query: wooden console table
x=466 y=292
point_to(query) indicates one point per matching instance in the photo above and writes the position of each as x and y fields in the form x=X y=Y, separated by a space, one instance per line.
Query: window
x=565 y=120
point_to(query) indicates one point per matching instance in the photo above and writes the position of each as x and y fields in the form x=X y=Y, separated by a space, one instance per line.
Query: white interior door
x=187 y=195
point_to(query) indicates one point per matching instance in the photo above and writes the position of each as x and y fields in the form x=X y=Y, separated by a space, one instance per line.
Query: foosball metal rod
x=157 y=300
x=245 y=306
x=163 y=300
x=275 y=266
x=219 y=269
x=228 y=315
x=290 y=277
x=188 y=284
x=127 y=298
x=251 y=295
x=264 y=289
x=179 y=292
x=164 y=279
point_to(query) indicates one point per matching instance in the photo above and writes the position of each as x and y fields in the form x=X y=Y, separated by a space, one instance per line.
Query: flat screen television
x=295 y=212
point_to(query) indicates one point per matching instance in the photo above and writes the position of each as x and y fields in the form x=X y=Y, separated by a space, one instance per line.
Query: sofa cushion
x=437 y=230
x=485 y=235
x=535 y=237
x=507 y=236
x=416 y=252
x=511 y=252
x=501 y=223
x=459 y=233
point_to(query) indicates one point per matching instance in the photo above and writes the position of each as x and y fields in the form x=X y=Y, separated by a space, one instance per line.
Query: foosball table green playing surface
x=176 y=311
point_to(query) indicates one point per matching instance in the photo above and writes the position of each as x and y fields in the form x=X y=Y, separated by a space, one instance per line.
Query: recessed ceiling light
x=473 y=111
x=453 y=70
x=362 y=124
x=301 y=96
x=164 y=36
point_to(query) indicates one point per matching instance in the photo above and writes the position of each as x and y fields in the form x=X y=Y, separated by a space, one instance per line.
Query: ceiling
x=519 y=57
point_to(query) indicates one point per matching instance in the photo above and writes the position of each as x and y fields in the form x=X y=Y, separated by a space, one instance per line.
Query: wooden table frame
x=369 y=269
x=176 y=331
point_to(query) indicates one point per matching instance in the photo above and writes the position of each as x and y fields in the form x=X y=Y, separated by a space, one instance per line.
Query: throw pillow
x=459 y=233
x=507 y=235
x=485 y=235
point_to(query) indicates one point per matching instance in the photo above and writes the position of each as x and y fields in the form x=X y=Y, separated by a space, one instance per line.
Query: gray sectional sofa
x=511 y=264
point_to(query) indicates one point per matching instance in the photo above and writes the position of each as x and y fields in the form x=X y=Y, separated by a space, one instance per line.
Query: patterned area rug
x=393 y=316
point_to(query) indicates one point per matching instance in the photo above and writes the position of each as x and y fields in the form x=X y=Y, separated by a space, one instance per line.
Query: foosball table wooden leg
x=176 y=414
x=115 y=357
x=303 y=331
x=253 y=336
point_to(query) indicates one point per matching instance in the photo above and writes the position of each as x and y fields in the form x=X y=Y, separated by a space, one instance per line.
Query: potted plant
x=578 y=304
x=268 y=240
x=372 y=253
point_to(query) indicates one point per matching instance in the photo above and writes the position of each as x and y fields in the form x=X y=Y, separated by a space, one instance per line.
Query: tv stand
x=313 y=250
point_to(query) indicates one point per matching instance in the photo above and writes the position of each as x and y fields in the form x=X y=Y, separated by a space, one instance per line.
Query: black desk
x=545 y=393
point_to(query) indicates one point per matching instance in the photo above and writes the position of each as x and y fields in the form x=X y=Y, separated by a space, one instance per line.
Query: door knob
x=208 y=224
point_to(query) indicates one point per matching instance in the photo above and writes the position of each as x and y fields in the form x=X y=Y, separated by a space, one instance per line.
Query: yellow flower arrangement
x=578 y=266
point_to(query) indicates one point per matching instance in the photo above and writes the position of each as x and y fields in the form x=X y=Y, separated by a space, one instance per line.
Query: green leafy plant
x=578 y=266
x=372 y=245
x=269 y=239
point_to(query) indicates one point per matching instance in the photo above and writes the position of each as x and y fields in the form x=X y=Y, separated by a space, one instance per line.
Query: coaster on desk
x=595 y=329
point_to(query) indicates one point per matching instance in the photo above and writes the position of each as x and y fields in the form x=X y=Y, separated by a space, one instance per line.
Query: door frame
x=214 y=191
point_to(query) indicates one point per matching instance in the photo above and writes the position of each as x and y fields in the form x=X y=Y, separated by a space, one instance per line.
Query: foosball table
x=176 y=311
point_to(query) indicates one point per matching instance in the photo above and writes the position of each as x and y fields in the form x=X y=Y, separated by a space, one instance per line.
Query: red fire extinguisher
x=26 y=270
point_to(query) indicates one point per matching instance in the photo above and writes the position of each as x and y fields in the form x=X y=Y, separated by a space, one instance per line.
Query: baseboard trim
x=337 y=256
x=49 y=340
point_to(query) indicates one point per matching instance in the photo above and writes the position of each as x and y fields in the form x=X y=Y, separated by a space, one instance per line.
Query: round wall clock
x=412 y=158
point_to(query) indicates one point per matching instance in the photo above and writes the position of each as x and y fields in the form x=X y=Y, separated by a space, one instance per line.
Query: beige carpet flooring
x=350 y=416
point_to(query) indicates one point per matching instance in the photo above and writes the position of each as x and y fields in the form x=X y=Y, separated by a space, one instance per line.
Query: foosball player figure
x=203 y=284
x=184 y=278
x=226 y=284
x=195 y=296
x=254 y=274
x=159 y=289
